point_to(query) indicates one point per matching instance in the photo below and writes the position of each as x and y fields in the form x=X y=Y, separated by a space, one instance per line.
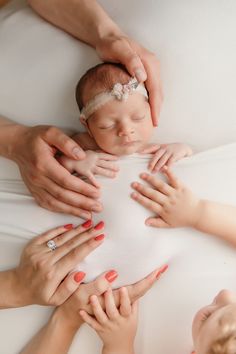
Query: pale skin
x=174 y=205
x=208 y=322
x=116 y=327
x=116 y=323
x=122 y=128
x=57 y=335
x=33 y=148
x=48 y=272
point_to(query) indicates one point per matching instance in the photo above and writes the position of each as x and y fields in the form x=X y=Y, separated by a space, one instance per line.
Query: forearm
x=54 y=338
x=84 y=19
x=217 y=219
x=8 y=136
x=118 y=351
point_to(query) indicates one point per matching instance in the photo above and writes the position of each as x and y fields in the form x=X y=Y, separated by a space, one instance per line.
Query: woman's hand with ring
x=44 y=275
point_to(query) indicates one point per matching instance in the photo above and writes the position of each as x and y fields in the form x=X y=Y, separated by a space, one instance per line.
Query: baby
x=116 y=113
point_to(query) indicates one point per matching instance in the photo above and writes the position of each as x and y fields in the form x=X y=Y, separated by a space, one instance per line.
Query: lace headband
x=119 y=92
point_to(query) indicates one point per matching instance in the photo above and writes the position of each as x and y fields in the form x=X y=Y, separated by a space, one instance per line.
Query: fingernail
x=99 y=237
x=140 y=75
x=99 y=226
x=78 y=153
x=68 y=226
x=79 y=276
x=96 y=207
x=111 y=276
x=87 y=224
x=162 y=270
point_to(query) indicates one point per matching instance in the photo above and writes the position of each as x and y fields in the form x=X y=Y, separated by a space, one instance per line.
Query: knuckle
x=49 y=131
x=49 y=275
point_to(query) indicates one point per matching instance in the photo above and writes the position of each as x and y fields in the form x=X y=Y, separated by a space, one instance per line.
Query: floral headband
x=118 y=92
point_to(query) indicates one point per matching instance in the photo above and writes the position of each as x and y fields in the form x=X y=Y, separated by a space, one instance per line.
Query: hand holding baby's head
x=115 y=109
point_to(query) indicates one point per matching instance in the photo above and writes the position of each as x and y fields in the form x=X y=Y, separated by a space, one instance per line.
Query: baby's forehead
x=136 y=104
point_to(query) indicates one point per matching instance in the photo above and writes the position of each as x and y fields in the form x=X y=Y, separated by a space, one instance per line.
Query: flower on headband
x=121 y=92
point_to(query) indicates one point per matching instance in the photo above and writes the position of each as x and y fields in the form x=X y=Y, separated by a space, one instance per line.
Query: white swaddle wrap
x=130 y=247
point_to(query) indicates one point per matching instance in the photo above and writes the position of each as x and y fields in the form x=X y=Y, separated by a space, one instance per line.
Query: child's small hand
x=116 y=327
x=166 y=154
x=94 y=163
x=174 y=204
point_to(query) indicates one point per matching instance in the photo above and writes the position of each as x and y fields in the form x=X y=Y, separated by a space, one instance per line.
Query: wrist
x=13 y=134
x=199 y=211
x=12 y=294
x=129 y=349
x=66 y=320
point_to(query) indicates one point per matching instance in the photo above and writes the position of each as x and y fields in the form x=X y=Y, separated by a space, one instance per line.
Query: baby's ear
x=83 y=120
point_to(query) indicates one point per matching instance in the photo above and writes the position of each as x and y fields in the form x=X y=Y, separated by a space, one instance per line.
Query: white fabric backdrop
x=39 y=68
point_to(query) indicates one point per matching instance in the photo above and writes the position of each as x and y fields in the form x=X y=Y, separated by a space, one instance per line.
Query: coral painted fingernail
x=162 y=270
x=111 y=276
x=79 y=276
x=87 y=224
x=68 y=226
x=99 y=226
x=99 y=237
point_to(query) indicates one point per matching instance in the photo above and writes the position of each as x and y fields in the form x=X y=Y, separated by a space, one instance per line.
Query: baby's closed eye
x=138 y=118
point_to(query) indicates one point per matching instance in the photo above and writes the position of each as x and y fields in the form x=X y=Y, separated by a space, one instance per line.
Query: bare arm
x=217 y=219
x=8 y=132
x=87 y=21
x=54 y=338
x=174 y=205
x=84 y=19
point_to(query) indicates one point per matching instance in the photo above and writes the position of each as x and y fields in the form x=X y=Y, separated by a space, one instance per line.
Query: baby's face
x=209 y=321
x=122 y=127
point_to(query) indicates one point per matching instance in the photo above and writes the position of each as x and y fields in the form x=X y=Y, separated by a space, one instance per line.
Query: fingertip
x=140 y=74
x=78 y=153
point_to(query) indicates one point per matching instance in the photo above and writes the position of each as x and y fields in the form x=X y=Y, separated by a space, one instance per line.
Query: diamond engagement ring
x=52 y=245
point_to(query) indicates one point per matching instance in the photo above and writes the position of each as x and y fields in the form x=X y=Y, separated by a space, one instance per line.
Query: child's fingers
x=97 y=310
x=110 y=165
x=152 y=195
x=90 y=320
x=151 y=205
x=156 y=158
x=104 y=172
x=156 y=222
x=125 y=304
x=157 y=183
x=107 y=157
x=173 y=180
x=162 y=161
x=171 y=160
x=93 y=180
x=111 y=309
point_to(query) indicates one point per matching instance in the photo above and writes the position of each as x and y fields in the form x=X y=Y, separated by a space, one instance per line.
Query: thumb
x=55 y=137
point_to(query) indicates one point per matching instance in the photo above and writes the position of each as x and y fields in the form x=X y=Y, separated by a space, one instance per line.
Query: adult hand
x=139 y=62
x=52 y=186
x=80 y=300
x=43 y=276
x=174 y=204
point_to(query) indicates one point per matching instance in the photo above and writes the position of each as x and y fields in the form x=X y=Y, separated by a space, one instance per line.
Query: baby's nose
x=125 y=130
